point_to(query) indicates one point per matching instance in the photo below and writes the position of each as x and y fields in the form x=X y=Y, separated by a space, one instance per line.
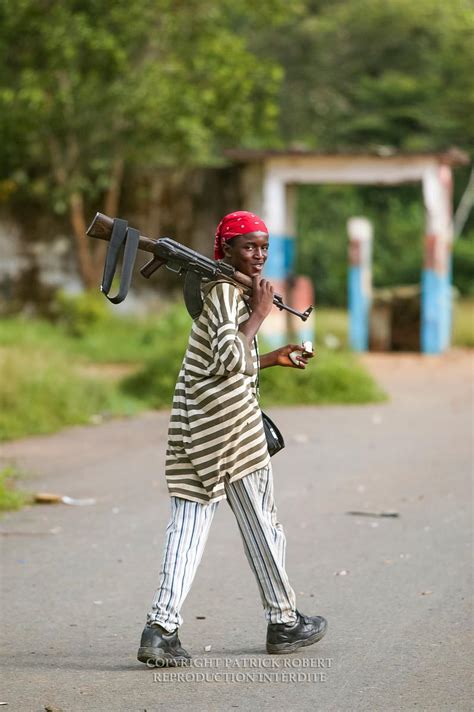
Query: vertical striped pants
x=251 y=500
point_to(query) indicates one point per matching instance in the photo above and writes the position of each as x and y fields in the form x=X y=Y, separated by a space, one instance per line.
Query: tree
x=364 y=73
x=89 y=88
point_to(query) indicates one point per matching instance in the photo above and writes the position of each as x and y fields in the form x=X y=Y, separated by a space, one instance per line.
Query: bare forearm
x=250 y=327
x=267 y=360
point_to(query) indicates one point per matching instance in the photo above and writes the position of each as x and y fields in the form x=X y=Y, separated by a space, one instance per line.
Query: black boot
x=158 y=648
x=285 y=638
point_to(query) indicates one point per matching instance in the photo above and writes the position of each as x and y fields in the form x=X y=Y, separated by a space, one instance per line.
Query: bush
x=78 y=313
x=107 y=338
x=330 y=378
x=154 y=383
x=42 y=388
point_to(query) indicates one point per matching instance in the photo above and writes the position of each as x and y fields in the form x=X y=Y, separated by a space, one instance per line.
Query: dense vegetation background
x=382 y=75
x=92 y=90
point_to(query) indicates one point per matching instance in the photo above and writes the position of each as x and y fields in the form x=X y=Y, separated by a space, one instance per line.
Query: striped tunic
x=215 y=426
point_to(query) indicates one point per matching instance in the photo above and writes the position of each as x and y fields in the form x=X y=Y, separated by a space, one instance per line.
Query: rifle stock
x=101 y=228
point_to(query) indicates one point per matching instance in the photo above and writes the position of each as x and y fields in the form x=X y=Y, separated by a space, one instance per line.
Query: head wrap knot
x=239 y=223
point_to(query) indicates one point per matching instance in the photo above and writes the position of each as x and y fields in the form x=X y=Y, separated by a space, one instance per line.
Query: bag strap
x=128 y=237
x=255 y=344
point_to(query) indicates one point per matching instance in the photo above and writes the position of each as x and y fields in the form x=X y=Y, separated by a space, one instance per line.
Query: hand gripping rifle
x=176 y=257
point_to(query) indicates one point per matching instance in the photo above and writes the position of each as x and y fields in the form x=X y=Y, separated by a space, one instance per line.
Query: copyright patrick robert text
x=247 y=670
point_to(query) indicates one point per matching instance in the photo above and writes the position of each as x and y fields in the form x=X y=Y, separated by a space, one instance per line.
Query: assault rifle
x=176 y=257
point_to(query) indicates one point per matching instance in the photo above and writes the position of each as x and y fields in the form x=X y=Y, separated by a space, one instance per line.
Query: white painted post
x=277 y=215
x=436 y=279
x=359 y=281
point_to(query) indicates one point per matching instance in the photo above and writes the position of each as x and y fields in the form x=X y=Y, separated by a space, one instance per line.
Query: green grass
x=44 y=387
x=463 y=323
x=330 y=378
x=111 y=339
x=332 y=326
x=41 y=392
x=10 y=497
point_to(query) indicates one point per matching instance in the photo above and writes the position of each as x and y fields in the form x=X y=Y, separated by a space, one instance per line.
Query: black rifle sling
x=192 y=294
x=129 y=238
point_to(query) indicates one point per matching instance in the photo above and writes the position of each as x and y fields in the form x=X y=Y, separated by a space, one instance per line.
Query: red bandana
x=234 y=224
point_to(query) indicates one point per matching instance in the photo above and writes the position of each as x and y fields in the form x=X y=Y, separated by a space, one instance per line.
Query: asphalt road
x=76 y=582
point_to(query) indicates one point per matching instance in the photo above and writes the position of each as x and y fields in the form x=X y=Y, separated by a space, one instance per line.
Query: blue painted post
x=436 y=293
x=279 y=265
x=359 y=281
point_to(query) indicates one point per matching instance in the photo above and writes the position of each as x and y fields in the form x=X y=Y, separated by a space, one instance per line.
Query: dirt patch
x=414 y=373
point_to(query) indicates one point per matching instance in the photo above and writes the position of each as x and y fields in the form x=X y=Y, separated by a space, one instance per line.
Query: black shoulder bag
x=275 y=441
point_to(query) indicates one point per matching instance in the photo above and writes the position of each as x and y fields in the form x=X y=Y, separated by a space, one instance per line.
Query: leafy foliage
x=90 y=88
x=366 y=73
x=151 y=82
x=78 y=314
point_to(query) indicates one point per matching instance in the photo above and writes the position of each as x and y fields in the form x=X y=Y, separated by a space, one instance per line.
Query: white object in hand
x=296 y=355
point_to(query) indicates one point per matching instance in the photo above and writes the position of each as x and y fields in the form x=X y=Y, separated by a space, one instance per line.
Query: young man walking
x=217 y=450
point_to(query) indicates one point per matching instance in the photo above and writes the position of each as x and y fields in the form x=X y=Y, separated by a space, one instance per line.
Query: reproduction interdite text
x=262 y=670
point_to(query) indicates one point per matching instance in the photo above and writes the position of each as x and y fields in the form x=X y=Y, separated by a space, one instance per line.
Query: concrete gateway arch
x=268 y=182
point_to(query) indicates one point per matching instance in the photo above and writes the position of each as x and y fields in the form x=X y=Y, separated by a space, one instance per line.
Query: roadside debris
x=207 y=648
x=388 y=513
x=51 y=498
x=344 y=572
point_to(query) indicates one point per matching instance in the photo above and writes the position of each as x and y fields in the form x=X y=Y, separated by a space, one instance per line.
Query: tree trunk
x=91 y=253
x=90 y=259
x=154 y=205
